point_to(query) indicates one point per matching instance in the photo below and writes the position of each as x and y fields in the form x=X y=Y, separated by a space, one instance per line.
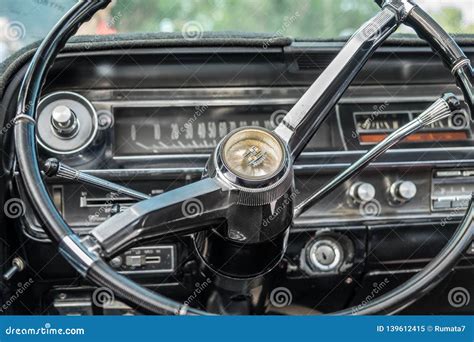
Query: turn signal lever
x=53 y=167
x=441 y=109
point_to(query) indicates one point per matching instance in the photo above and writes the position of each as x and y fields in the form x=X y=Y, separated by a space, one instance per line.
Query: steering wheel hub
x=253 y=154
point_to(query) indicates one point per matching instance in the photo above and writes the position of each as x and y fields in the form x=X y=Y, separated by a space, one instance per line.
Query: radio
x=146 y=259
x=451 y=189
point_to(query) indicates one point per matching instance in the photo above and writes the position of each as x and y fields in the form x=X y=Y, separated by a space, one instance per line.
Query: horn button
x=253 y=154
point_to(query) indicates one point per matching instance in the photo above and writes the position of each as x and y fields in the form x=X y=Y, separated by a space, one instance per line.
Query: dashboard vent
x=318 y=61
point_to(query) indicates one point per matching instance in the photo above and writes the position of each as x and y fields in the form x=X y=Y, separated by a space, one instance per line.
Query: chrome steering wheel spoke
x=182 y=211
x=306 y=116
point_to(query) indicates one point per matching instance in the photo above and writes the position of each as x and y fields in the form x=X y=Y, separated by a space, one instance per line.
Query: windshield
x=22 y=22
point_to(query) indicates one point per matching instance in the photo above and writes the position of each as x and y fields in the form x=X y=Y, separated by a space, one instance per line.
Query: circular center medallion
x=253 y=154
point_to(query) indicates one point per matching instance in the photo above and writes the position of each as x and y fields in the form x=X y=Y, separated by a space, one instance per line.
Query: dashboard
x=148 y=134
x=149 y=119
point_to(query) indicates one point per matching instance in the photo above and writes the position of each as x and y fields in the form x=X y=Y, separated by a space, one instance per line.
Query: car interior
x=239 y=173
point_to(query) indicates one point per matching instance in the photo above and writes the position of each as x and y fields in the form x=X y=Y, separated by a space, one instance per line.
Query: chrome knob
x=62 y=114
x=403 y=191
x=64 y=122
x=116 y=262
x=362 y=192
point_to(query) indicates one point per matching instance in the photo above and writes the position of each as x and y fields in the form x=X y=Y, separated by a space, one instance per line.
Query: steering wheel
x=241 y=212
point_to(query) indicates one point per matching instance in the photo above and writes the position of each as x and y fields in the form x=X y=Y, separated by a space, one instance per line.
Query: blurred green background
x=25 y=21
x=303 y=18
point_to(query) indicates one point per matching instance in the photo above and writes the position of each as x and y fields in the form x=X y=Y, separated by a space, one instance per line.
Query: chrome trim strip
x=215 y=102
x=390 y=272
x=459 y=65
x=304 y=154
x=25 y=118
x=296 y=167
x=164 y=157
x=74 y=251
x=192 y=103
x=158 y=171
x=301 y=224
x=304 y=223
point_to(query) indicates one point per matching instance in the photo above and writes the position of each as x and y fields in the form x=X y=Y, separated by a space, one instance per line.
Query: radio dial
x=403 y=191
x=362 y=192
x=116 y=262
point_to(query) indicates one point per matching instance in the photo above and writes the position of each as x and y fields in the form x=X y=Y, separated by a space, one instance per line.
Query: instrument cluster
x=156 y=140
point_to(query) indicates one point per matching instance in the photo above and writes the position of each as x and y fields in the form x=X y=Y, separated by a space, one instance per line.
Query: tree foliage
x=294 y=18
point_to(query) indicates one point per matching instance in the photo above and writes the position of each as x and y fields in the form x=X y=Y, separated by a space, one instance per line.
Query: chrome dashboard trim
x=304 y=224
x=304 y=154
x=164 y=157
x=271 y=100
x=297 y=167
x=191 y=103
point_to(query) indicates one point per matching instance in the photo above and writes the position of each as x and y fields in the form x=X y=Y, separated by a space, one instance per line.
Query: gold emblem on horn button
x=253 y=153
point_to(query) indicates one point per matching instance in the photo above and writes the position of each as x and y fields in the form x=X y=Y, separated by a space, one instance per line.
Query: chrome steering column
x=241 y=210
x=257 y=164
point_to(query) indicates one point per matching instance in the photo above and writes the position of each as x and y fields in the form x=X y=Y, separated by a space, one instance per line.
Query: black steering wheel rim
x=91 y=266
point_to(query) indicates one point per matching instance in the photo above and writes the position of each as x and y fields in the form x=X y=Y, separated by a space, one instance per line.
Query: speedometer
x=142 y=131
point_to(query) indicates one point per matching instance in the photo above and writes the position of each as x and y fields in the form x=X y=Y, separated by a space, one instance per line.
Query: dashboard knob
x=403 y=191
x=64 y=121
x=362 y=192
x=116 y=262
